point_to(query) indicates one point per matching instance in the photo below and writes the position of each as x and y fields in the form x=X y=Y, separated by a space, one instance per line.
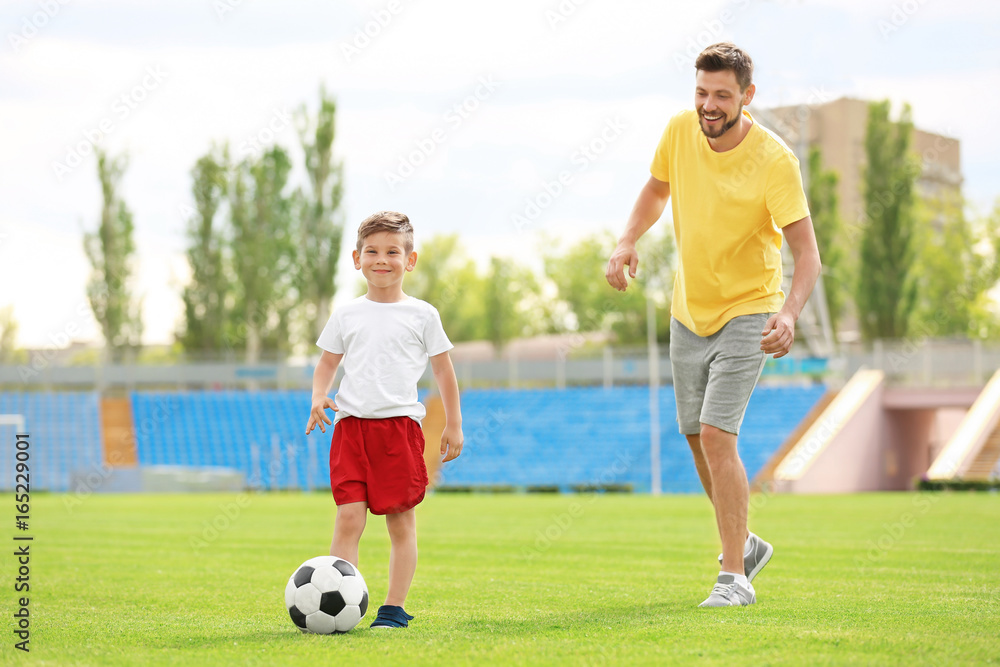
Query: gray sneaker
x=728 y=593
x=754 y=561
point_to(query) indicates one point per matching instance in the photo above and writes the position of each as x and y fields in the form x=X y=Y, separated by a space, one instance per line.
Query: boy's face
x=383 y=259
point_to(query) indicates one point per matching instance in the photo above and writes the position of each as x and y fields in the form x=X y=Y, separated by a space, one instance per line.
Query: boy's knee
x=401 y=525
x=351 y=521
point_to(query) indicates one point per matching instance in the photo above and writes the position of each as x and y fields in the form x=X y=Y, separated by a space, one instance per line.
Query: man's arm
x=779 y=332
x=647 y=210
x=452 y=438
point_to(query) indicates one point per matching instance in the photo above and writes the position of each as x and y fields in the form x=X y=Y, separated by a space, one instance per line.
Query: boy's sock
x=390 y=616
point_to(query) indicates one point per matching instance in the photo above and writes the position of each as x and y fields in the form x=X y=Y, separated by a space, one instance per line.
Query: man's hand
x=317 y=416
x=778 y=334
x=452 y=440
x=624 y=255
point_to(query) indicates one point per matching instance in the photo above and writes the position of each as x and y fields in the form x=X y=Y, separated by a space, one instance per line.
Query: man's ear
x=748 y=94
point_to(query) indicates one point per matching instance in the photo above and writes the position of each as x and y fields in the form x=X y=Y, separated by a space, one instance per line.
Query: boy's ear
x=357 y=259
x=411 y=261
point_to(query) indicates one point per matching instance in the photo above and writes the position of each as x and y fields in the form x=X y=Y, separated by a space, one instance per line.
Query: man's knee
x=716 y=443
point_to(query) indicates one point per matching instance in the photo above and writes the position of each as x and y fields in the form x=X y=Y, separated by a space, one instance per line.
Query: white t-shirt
x=385 y=348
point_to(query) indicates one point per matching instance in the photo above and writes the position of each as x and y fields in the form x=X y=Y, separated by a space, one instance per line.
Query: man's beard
x=715 y=134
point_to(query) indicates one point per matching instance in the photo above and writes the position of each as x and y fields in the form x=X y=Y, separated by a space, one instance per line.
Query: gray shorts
x=715 y=375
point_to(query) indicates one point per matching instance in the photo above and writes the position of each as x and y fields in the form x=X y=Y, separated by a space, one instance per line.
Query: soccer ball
x=326 y=595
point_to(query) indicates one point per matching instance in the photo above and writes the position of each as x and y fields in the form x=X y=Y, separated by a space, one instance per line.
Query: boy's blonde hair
x=387 y=221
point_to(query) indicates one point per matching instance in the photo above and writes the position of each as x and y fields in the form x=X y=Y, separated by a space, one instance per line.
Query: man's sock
x=740 y=578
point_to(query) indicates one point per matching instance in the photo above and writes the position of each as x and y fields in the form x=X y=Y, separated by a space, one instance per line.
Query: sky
x=515 y=124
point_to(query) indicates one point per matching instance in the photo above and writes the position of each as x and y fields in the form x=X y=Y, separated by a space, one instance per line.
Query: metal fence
x=923 y=363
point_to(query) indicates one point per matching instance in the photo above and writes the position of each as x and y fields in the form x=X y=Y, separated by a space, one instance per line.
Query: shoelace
x=725 y=590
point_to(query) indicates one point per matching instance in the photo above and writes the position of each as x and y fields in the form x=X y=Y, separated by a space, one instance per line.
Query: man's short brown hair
x=387 y=221
x=727 y=56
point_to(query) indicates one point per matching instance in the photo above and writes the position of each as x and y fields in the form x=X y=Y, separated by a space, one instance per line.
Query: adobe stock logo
x=585 y=155
x=31 y=25
x=363 y=35
x=454 y=118
x=123 y=106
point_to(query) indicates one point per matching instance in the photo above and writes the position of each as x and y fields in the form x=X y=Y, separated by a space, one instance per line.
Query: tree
x=446 y=277
x=205 y=307
x=578 y=275
x=825 y=213
x=263 y=254
x=887 y=287
x=320 y=229
x=957 y=268
x=9 y=353
x=110 y=252
x=508 y=292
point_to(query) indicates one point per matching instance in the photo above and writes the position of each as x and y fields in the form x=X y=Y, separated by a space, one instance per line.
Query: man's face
x=719 y=101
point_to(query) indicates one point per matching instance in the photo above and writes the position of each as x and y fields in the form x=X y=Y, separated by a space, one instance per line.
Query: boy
x=377 y=452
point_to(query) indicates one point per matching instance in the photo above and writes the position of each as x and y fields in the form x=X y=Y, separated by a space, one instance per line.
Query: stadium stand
x=592 y=436
x=65 y=437
x=522 y=438
x=261 y=433
x=876 y=436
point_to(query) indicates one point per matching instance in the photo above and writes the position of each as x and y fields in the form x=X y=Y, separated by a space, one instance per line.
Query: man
x=734 y=186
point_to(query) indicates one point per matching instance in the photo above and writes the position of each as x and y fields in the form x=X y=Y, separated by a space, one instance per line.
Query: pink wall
x=888 y=443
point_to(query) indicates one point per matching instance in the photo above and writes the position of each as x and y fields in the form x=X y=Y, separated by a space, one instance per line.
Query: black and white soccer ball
x=326 y=595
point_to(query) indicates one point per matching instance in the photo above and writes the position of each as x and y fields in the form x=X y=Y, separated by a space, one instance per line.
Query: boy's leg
x=347 y=530
x=402 y=555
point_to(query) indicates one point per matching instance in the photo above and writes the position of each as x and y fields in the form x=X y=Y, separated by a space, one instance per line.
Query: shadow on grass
x=634 y=617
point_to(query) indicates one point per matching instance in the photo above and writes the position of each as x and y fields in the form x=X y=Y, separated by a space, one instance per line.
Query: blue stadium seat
x=65 y=430
x=524 y=438
x=594 y=436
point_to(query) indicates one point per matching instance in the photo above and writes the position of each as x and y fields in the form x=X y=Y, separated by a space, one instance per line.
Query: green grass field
x=517 y=579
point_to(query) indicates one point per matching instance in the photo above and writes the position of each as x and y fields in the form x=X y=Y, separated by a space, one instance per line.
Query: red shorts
x=379 y=462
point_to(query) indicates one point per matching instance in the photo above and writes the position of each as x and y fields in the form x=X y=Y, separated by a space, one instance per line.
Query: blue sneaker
x=390 y=616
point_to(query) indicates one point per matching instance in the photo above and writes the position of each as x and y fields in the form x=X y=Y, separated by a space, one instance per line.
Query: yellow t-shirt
x=728 y=208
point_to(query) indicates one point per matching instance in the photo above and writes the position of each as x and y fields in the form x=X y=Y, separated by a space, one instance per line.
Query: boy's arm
x=452 y=438
x=323 y=376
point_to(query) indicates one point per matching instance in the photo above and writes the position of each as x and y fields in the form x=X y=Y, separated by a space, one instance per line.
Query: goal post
x=7 y=464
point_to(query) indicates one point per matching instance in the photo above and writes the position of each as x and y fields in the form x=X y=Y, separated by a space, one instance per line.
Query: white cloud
x=557 y=86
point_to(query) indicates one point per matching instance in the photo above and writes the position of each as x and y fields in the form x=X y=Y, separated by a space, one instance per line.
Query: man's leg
x=730 y=493
x=700 y=464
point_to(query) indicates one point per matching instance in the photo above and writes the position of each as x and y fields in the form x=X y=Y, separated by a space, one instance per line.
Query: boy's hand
x=317 y=417
x=451 y=443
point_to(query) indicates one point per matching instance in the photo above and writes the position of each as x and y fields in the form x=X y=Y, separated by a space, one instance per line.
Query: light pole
x=654 y=394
